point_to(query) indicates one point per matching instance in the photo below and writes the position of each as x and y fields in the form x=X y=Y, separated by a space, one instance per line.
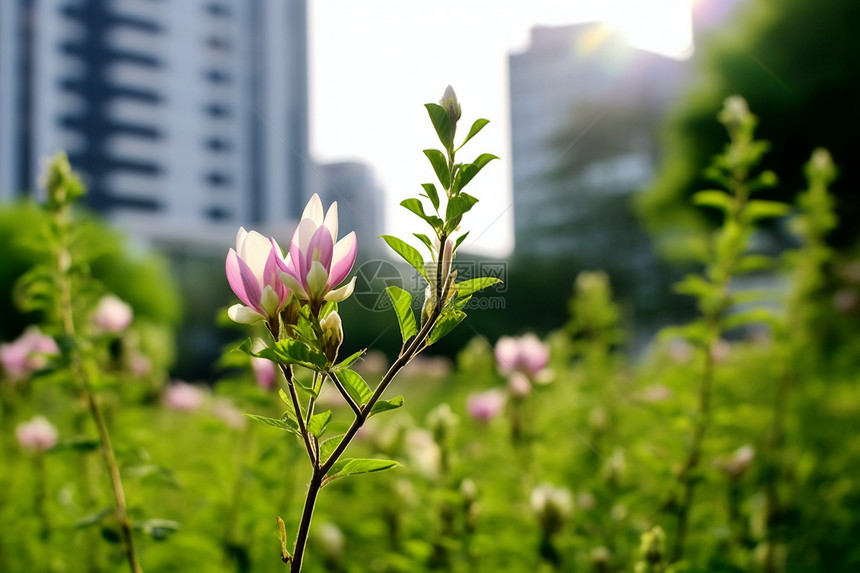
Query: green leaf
x=93 y=518
x=473 y=131
x=286 y=423
x=751 y=263
x=460 y=239
x=440 y=166
x=697 y=286
x=714 y=198
x=441 y=123
x=353 y=466
x=289 y=351
x=432 y=194
x=402 y=302
x=695 y=332
x=447 y=322
x=457 y=206
x=350 y=360
x=426 y=240
x=355 y=386
x=416 y=207
x=291 y=411
x=751 y=316
x=386 y=405
x=318 y=423
x=758 y=209
x=327 y=447
x=470 y=286
x=468 y=171
x=78 y=444
x=409 y=253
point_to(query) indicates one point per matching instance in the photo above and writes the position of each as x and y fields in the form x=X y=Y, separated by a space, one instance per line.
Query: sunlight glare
x=661 y=26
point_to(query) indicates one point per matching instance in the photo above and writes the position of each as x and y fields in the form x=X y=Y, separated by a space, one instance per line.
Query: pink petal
x=271 y=275
x=242 y=280
x=320 y=248
x=342 y=259
x=300 y=267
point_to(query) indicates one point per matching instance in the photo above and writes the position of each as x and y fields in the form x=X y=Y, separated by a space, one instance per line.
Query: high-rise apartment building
x=182 y=115
x=585 y=110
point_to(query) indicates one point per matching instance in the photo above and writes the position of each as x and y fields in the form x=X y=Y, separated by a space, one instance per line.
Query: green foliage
x=800 y=91
x=402 y=303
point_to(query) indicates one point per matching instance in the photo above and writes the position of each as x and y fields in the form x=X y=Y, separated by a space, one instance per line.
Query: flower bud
x=552 y=505
x=112 y=315
x=332 y=335
x=450 y=103
x=653 y=545
x=469 y=491
x=484 y=406
x=265 y=372
x=37 y=435
x=735 y=465
x=441 y=421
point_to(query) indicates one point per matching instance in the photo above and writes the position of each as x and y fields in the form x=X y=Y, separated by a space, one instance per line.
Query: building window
x=218 y=179
x=217 y=76
x=217 y=213
x=218 y=144
x=218 y=9
x=218 y=110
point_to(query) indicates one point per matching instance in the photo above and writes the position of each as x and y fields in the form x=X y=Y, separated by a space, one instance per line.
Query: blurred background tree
x=795 y=62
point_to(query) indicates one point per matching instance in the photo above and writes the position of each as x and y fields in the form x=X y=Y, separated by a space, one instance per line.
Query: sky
x=374 y=63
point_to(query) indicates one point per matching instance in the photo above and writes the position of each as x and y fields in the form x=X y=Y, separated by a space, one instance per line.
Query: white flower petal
x=314 y=210
x=341 y=294
x=269 y=301
x=255 y=251
x=244 y=315
x=294 y=285
x=331 y=221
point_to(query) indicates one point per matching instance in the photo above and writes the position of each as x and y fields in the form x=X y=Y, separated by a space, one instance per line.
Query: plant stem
x=686 y=476
x=305 y=525
x=321 y=468
x=82 y=373
x=116 y=483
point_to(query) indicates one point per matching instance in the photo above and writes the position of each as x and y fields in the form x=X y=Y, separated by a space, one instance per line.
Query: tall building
x=585 y=110
x=182 y=115
x=360 y=201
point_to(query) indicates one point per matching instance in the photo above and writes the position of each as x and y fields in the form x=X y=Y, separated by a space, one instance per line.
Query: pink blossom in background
x=140 y=364
x=37 y=435
x=228 y=413
x=519 y=385
x=27 y=353
x=264 y=372
x=252 y=272
x=317 y=261
x=525 y=354
x=183 y=396
x=484 y=406
x=112 y=315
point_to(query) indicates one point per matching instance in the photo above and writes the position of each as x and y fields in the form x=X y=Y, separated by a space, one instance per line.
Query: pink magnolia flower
x=27 y=354
x=183 y=397
x=37 y=435
x=264 y=372
x=112 y=315
x=316 y=263
x=252 y=272
x=526 y=354
x=484 y=406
